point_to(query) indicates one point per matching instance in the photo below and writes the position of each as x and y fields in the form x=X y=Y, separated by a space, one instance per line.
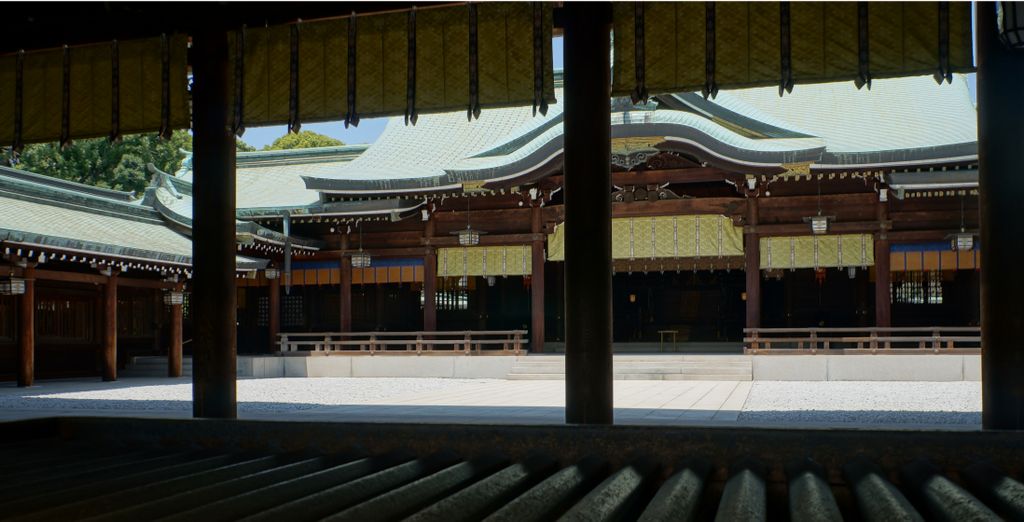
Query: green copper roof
x=75 y=218
x=831 y=125
x=272 y=180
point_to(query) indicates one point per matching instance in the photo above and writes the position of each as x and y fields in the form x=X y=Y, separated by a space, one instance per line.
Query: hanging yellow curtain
x=662 y=237
x=463 y=57
x=705 y=46
x=98 y=90
x=828 y=251
x=514 y=260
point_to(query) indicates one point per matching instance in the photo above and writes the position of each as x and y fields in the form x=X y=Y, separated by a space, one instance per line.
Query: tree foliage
x=303 y=140
x=100 y=162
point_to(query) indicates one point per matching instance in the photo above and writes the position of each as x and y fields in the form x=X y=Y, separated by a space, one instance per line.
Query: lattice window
x=935 y=287
x=66 y=319
x=292 y=311
x=263 y=311
x=917 y=288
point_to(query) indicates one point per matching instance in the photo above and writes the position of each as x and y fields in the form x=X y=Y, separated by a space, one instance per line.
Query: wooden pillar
x=1000 y=155
x=174 y=350
x=213 y=231
x=430 y=281
x=345 y=280
x=110 y=328
x=588 y=252
x=537 y=285
x=274 y=312
x=27 y=332
x=752 y=265
x=883 y=305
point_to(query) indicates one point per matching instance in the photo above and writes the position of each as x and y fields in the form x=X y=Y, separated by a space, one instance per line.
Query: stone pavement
x=478 y=401
x=492 y=401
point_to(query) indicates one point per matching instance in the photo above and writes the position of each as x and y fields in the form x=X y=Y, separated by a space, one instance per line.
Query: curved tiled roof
x=898 y=120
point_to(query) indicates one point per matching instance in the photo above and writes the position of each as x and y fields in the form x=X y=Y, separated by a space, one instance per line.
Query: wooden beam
x=97 y=279
x=684 y=206
x=488 y=240
x=27 y=331
x=345 y=289
x=883 y=306
x=803 y=229
x=274 y=311
x=174 y=351
x=752 y=264
x=110 y=328
x=429 y=281
x=537 y=284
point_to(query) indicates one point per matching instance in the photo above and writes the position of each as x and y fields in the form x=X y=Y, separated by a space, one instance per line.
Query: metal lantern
x=1010 y=20
x=174 y=297
x=963 y=241
x=819 y=223
x=469 y=236
x=272 y=273
x=12 y=286
x=361 y=259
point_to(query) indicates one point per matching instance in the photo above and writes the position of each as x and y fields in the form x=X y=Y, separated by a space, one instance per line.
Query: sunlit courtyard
x=495 y=401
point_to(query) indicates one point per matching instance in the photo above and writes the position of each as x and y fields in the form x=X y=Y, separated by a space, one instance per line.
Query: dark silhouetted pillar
x=213 y=230
x=1000 y=156
x=588 y=241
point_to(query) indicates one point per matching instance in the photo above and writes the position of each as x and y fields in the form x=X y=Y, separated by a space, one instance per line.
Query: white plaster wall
x=924 y=367
x=404 y=366
x=790 y=368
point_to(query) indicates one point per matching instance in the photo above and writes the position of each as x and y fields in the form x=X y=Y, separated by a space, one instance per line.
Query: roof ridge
x=64 y=184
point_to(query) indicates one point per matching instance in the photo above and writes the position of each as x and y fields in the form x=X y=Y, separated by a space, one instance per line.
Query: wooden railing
x=870 y=339
x=410 y=343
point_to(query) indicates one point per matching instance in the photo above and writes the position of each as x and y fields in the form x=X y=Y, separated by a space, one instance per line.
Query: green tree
x=303 y=140
x=99 y=162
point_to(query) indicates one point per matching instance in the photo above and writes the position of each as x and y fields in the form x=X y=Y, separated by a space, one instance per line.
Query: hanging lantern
x=174 y=297
x=491 y=280
x=272 y=273
x=852 y=272
x=361 y=259
x=819 y=223
x=469 y=236
x=12 y=286
x=962 y=241
x=1010 y=21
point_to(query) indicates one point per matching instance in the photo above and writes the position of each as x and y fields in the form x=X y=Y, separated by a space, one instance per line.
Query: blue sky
x=369 y=129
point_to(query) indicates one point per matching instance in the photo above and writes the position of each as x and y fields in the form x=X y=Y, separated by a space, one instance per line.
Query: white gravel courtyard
x=954 y=405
